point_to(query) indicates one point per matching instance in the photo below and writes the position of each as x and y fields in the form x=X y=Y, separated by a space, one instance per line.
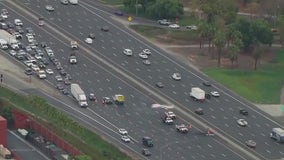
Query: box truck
x=9 y=38
x=277 y=134
x=79 y=95
x=73 y=1
x=197 y=94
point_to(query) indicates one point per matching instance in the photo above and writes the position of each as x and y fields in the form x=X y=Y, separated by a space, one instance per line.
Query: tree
x=220 y=42
x=165 y=9
x=262 y=32
x=281 y=30
x=236 y=47
x=256 y=53
x=83 y=157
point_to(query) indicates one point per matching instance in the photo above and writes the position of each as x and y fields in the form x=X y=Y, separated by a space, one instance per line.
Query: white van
x=73 y=1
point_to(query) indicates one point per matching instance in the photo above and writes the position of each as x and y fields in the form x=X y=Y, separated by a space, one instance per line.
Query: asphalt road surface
x=95 y=73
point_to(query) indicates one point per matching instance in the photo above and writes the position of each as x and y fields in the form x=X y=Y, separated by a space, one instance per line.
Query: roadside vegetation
x=65 y=127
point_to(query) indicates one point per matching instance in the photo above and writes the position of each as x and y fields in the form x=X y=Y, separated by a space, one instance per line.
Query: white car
x=12 y=52
x=125 y=139
x=146 y=62
x=18 y=22
x=28 y=63
x=174 y=26
x=35 y=67
x=242 y=122
x=215 y=94
x=58 y=78
x=38 y=57
x=193 y=27
x=170 y=114
x=89 y=40
x=143 y=55
x=49 y=71
x=127 y=52
x=147 y=51
x=176 y=76
x=122 y=131
x=49 y=8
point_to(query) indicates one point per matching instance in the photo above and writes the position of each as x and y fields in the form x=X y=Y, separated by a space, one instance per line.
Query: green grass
x=188 y=20
x=261 y=86
x=157 y=33
x=113 y=2
x=85 y=140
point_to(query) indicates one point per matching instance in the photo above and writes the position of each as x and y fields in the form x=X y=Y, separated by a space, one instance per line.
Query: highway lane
x=145 y=110
x=259 y=130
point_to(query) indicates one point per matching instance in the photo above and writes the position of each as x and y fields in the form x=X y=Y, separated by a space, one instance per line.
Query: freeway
x=137 y=117
x=221 y=113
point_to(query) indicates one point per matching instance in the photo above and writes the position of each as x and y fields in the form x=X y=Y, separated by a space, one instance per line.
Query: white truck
x=277 y=134
x=73 y=1
x=197 y=94
x=79 y=95
x=9 y=38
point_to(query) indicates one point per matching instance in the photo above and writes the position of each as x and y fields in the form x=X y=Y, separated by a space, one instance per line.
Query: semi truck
x=277 y=134
x=9 y=38
x=79 y=95
x=197 y=94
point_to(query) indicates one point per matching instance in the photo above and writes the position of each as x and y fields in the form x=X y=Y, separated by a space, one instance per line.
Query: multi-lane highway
x=104 y=70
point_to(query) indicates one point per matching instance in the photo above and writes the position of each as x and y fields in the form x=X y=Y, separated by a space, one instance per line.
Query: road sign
x=129 y=18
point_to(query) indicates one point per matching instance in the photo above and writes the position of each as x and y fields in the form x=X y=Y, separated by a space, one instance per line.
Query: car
x=59 y=86
x=125 y=139
x=206 y=83
x=65 y=91
x=146 y=62
x=164 y=22
x=43 y=44
x=28 y=48
x=49 y=71
x=35 y=67
x=92 y=97
x=38 y=57
x=118 y=13
x=207 y=96
x=62 y=72
x=174 y=26
x=41 y=65
x=68 y=76
x=215 y=94
x=10 y=25
x=44 y=61
x=18 y=22
x=19 y=29
x=242 y=122
x=89 y=40
x=12 y=52
x=192 y=27
x=143 y=55
x=170 y=114
x=74 y=44
x=160 y=85
x=106 y=100
x=199 y=111
x=127 y=52
x=147 y=51
x=19 y=56
x=28 y=71
x=147 y=141
x=58 y=78
x=182 y=128
x=105 y=28
x=250 y=143
x=67 y=81
x=30 y=30
x=167 y=120
x=92 y=35
x=176 y=76
x=49 y=8
x=243 y=112
x=122 y=131
x=17 y=35
x=65 y=2
x=146 y=152
x=39 y=52
x=49 y=51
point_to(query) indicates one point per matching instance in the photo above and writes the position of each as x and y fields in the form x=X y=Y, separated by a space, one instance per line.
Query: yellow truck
x=119 y=99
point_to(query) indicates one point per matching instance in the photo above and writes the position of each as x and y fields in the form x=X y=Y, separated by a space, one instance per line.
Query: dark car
x=107 y=100
x=65 y=92
x=44 y=61
x=207 y=96
x=105 y=28
x=62 y=72
x=19 y=56
x=243 y=112
x=41 y=65
x=68 y=76
x=59 y=86
x=67 y=81
x=147 y=141
x=43 y=44
x=28 y=71
x=199 y=111
x=92 y=35
x=206 y=83
x=10 y=25
x=30 y=30
x=118 y=13
x=92 y=97
x=160 y=85
x=146 y=152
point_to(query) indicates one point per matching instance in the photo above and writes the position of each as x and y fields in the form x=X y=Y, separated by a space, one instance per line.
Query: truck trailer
x=277 y=134
x=9 y=38
x=197 y=94
x=79 y=95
